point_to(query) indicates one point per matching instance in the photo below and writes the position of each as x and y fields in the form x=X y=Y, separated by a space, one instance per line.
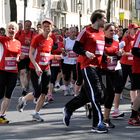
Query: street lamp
x=79 y=7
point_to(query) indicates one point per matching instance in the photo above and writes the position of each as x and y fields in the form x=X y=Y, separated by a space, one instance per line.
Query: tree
x=108 y=10
x=13 y=10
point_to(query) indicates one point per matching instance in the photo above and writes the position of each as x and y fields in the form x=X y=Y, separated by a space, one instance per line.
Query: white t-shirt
x=71 y=56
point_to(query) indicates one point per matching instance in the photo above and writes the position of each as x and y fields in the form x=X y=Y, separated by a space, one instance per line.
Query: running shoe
x=99 y=129
x=134 y=121
x=21 y=104
x=37 y=117
x=66 y=93
x=66 y=116
x=45 y=104
x=3 y=120
x=50 y=98
x=108 y=124
x=117 y=115
x=57 y=85
x=71 y=91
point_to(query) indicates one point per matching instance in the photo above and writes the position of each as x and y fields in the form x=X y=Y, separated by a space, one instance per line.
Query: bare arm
x=31 y=56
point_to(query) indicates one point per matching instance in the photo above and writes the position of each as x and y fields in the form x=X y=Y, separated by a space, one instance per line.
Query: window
x=121 y=4
x=91 y=5
x=37 y=3
x=74 y=6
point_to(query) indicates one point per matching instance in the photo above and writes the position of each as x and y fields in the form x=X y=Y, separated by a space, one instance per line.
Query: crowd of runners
x=75 y=60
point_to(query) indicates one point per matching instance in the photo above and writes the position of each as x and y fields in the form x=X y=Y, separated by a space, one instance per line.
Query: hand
x=89 y=55
x=38 y=71
x=64 y=52
x=119 y=53
x=22 y=56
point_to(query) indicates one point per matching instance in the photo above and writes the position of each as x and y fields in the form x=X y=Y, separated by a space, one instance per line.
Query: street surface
x=22 y=127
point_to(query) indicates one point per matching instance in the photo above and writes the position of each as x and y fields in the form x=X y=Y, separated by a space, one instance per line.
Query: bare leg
x=133 y=95
x=106 y=113
x=117 y=101
x=40 y=102
x=4 y=105
x=136 y=103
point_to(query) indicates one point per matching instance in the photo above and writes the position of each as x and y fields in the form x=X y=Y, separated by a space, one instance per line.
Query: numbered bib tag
x=55 y=63
x=25 y=50
x=44 y=59
x=10 y=63
x=111 y=62
x=99 y=47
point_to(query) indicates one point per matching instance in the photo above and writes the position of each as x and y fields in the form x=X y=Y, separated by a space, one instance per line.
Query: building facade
x=67 y=13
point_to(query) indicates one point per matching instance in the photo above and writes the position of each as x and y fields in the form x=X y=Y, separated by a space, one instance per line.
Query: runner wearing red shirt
x=109 y=63
x=10 y=49
x=90 y=44
x=134 y=118
x=40 y=56
x=25 y=36
x=55 y=64
x=127 y=58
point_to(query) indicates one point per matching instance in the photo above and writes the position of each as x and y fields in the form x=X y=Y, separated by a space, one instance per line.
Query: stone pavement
x=22 y=127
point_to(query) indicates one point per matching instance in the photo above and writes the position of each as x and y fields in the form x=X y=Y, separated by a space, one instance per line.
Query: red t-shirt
x=127 y=59
x=43 y=49
x=57 y=51
x=93 y=41
x=111 y=50
x=9 y=50
x=25 y=38
x=136 y=60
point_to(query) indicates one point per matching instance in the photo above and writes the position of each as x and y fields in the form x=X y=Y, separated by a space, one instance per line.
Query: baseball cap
x=47 y=20
x=133 y=25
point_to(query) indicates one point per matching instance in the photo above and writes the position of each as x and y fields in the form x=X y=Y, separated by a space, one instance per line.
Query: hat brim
x=47 y=20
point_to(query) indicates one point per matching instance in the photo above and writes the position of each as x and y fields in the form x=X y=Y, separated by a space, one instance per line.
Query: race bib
x=55 y=63
x=72 y=54
x=44 y=59
x=25 y=50
x=10 y=63
x=99 y=47
x=130 y=57
x=111 y=62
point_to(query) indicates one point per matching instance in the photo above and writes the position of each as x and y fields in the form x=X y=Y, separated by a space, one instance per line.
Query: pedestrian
x=109 y=63
x=25 y=37
x=40 y=56
x=10 y=49
x=69 y=63
x=90 y=45
x=135 y=118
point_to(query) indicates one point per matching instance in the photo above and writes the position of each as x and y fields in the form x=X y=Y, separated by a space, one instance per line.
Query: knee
x=22 y=72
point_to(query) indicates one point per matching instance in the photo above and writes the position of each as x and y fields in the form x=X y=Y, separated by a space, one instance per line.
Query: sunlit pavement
x=22 y=127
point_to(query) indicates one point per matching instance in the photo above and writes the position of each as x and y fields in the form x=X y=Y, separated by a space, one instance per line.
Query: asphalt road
x=22 y=127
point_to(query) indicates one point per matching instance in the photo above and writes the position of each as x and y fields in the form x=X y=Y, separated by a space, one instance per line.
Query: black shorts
x=24 y=64
x=136 y=79
x=54 y=73
x=7 y=83
x=40 y=86
x=67 y=69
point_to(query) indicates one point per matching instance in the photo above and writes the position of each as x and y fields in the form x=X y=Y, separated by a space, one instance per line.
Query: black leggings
x=114 y=84
x=127 y=71
x=40 y=86
x=90 y=92
x=67 y=69
x=7 y=83
x=54 y=73
x=79 y=75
